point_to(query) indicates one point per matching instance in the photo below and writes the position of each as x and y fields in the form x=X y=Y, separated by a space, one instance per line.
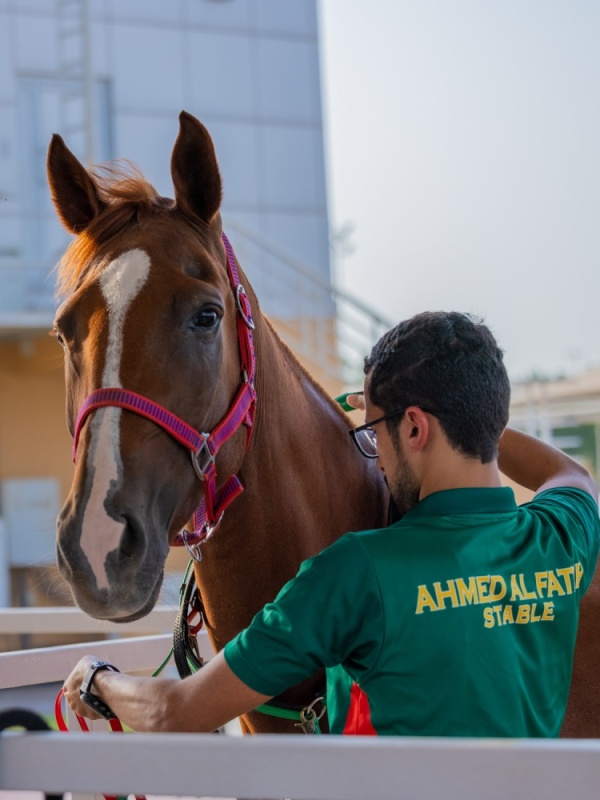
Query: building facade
x=565 y=413
x=111 y=76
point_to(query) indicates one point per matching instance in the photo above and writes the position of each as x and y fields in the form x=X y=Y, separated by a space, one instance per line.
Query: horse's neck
x=301 y=437
x=290 y=403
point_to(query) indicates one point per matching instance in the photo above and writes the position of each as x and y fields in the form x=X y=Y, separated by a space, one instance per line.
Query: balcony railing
x=325 y=326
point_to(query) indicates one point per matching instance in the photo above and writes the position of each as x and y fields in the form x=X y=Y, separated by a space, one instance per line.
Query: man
x=458 y=620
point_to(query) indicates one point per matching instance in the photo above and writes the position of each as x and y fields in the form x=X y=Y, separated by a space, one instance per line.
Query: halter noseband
x=203 y=447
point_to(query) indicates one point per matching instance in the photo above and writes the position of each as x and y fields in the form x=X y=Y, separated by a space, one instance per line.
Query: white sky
x=463 y=144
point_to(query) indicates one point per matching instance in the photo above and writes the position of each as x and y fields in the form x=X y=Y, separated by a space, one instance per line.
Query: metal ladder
x=75 y=76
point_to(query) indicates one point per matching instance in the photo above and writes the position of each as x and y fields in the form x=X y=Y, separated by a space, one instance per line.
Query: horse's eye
x=205 y=319
x=58 y=337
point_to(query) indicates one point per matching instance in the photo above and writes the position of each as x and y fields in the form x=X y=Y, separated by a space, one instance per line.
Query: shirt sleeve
x=330 y=613
x=576 y=517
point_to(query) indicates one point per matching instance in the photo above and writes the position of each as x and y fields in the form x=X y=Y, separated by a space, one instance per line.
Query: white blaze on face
x=120 y=283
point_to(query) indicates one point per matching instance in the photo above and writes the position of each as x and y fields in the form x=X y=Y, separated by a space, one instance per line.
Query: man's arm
x=538 y=466
x=201 y=703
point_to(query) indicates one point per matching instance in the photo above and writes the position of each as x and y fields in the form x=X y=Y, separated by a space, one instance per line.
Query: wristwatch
x=89 y=698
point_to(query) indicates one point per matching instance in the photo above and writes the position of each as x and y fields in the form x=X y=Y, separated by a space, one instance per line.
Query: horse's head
x=149 y=307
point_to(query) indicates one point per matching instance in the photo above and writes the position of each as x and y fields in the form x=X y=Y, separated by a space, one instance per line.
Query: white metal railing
x=329 y=328
x=313 y=768
x=49 y=664
x=68 y=619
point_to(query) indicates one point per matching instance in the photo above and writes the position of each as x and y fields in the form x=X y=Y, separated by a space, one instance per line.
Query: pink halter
x=203 y=447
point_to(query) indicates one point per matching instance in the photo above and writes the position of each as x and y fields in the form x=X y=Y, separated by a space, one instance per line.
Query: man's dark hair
x=451 y=365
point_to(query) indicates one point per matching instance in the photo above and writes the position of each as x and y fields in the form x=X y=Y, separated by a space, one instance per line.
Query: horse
x=177 y=385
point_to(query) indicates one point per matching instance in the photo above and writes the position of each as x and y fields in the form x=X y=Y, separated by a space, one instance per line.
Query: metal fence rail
x=49 y=664
x=66 y=619
x=302 y=767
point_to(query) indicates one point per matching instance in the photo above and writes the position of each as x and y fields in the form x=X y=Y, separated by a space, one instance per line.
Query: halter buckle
x=193 y=549
x=239 y=291
x=204 y=533
x=200 y=470
x=210 y=529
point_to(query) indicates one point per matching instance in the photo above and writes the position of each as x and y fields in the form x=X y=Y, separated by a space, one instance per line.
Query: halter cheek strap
x=203 y=447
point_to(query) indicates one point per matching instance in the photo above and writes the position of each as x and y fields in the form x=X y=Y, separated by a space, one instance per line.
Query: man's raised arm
x=538 y=466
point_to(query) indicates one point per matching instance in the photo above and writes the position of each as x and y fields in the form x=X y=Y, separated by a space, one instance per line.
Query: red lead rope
x=195 y=622
x=62 y=726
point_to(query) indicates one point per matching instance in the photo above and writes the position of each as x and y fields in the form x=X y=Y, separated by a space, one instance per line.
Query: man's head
x=451 y=365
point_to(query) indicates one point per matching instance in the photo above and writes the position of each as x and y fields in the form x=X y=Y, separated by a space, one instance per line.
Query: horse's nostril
x=132 y=541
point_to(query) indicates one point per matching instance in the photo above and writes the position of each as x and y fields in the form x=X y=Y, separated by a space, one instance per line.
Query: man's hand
x=72 y=688
x=201 y=703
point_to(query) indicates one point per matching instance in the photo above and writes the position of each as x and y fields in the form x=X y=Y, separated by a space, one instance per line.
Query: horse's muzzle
x=126 y=585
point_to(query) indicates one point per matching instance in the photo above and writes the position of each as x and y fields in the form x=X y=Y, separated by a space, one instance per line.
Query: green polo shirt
x=458 y=620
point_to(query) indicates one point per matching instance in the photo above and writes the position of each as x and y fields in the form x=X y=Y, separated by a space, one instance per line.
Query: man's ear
x=417 y=428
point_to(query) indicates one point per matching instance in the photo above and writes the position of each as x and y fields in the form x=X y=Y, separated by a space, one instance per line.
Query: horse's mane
x=128 y=197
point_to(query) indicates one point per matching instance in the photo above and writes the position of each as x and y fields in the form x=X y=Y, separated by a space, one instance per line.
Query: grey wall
x=249 y=69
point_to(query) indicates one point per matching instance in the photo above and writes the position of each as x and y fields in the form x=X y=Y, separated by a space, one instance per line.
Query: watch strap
x=96 y=704
x=89 y=698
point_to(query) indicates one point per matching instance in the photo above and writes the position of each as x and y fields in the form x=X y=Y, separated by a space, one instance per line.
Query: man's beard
x=403 y=484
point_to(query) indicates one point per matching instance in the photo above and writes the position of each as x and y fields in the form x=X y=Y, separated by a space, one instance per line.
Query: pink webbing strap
x=245 y=322
x=226 y=495
x=242 y=406
x=123 y=398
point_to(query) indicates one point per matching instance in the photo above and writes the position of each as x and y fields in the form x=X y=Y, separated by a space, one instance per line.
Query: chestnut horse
x=154 y=322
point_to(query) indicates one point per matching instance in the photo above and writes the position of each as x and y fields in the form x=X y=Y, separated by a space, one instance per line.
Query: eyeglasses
x=365 y=437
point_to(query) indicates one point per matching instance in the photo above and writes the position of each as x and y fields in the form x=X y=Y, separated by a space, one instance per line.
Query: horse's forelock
x=128 y=197
x=122 y=182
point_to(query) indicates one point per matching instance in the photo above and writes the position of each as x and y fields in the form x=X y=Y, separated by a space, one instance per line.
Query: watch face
x=91 y=671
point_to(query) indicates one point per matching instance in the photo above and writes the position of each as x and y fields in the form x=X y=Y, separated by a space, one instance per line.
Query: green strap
x=282 y=713
x=158 y=670
x=273 y=711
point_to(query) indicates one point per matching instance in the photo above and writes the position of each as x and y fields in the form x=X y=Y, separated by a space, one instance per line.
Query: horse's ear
x=195 y=170
x=73 y=190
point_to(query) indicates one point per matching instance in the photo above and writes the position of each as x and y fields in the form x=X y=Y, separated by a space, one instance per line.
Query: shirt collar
x=479 y=500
